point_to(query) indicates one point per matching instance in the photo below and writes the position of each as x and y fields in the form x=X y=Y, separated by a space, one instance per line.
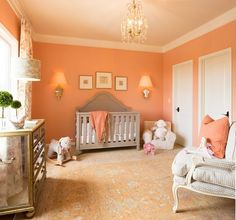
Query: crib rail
x=123 y=129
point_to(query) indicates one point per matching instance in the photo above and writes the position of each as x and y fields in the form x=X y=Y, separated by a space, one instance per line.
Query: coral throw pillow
x=216 y=133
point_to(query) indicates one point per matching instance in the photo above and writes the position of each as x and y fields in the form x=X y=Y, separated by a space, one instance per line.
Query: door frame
x=201 y=64
x=173 y=94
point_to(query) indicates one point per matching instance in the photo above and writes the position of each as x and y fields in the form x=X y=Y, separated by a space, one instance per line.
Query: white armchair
x=215 y=177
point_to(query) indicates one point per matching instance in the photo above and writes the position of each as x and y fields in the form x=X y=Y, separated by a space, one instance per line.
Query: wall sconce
x=26 y=69
x=60 y=80
x=145 y=83
x=58 y=91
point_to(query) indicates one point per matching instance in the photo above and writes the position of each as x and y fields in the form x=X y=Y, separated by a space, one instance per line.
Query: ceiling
x=101 y=19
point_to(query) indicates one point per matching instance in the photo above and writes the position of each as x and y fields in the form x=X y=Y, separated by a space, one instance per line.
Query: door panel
x=215 y=85
x=182 y=103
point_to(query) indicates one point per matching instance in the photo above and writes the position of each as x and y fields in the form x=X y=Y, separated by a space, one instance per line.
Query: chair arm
x=214 y=162
x=198 y=161
x=195 y=162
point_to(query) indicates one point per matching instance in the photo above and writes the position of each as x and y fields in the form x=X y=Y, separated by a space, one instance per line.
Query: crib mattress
x=116 y=136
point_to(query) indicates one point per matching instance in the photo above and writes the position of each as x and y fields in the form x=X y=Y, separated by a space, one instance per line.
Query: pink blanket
x=99 y=123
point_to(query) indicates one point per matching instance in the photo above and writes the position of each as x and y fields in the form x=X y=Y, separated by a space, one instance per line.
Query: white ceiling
x=101 y=19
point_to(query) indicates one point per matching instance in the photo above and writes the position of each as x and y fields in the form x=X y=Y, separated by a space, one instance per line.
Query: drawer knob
x=36 y=166
x=36 y=150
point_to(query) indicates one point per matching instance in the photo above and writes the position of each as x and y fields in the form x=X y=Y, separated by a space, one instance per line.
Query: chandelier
x=134 y=25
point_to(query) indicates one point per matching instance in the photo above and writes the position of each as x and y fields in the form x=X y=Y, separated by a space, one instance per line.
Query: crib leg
x=78 y=152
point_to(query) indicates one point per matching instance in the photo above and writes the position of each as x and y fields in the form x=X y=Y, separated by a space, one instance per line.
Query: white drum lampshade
x=26 y=69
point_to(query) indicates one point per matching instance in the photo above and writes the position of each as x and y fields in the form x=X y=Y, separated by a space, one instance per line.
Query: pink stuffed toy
x=149 y=148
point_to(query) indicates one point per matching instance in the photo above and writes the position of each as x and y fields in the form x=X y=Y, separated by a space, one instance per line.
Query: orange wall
x=77 y=60
x=221 y=38
x=9 y=19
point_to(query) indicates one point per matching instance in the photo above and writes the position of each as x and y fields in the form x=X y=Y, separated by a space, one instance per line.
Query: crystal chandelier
x=134 y=25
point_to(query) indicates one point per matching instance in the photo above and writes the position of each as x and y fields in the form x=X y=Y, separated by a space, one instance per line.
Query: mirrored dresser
x=22 y=167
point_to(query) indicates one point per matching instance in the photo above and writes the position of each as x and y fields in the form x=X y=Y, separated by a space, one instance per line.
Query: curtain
x=24 y=89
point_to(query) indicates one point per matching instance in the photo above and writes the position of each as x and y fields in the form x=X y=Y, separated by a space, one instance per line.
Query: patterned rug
x=122 y=184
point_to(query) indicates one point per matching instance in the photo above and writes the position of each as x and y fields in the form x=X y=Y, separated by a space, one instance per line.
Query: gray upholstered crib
x=123 y=128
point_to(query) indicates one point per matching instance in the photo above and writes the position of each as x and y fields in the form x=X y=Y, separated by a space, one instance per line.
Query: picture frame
x=121 y=83
x=86 y=82
x=103 y=80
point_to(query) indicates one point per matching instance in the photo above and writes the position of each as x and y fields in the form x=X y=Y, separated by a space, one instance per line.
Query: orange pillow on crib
x=216 y=133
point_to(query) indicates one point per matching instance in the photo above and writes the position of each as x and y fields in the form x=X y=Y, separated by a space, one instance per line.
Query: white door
x=215 y=85
x=182 y=102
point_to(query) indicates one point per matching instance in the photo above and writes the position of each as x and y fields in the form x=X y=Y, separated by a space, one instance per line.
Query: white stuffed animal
x=159 y=130
x=61 y=149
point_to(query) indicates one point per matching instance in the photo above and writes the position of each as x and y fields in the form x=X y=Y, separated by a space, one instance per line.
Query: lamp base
x=146 y=93
x=58 y=92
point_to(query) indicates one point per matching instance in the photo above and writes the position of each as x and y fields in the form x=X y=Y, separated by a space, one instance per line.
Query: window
x=8 y=50
x=5 y=57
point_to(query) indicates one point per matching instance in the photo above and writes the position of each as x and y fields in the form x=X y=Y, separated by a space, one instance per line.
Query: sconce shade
x=59 y=79
x=26 y=69
x=145 y=82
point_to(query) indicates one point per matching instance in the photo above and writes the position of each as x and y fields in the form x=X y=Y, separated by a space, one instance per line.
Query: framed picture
x=85 y=82
x=103 y=80
x=121 y=83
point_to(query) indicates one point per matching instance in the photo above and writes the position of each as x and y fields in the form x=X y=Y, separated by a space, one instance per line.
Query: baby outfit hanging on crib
x=99 y=121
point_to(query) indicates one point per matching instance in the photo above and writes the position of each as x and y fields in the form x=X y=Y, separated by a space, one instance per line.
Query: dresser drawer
x=42 y=130
x=39 y=163
x=39 y=181
x=36 y=136
x=37 y=149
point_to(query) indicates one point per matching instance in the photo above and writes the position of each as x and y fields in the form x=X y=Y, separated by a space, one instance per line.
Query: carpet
x=122 y=184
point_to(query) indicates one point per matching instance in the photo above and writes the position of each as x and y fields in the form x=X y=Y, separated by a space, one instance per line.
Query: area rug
x=122 y=184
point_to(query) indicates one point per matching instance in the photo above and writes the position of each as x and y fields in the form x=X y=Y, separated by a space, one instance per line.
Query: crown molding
x=95 y=43
x=203 y=29
x=19 y=11
x=17 y=8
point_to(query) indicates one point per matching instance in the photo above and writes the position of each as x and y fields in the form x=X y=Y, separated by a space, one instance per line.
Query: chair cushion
x=218 y=176
x=230 y=152
x=182 y=162
x=216 y=133
x=213 y=189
